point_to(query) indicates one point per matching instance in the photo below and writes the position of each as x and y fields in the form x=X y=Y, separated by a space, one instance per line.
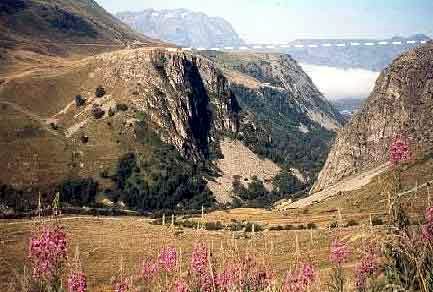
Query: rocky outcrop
x=185 y=98
x=183 y=27
x=401 y=103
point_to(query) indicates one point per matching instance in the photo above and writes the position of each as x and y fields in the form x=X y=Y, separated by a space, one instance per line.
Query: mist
x=337 y=83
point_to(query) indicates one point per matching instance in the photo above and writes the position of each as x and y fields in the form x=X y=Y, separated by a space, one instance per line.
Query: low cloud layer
x=337 y=83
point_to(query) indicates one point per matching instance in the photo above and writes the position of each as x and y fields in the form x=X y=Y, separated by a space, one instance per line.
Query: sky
x=275 y=21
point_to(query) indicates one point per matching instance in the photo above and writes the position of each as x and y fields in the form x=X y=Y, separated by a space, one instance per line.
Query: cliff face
x=185 y=98
x=401 y=103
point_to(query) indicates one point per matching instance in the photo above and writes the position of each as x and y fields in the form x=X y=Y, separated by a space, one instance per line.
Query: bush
x=248 y=227
x=376 y=221
x=111 y=112
x=276 y=228
x=84 y=139
x=214 y=225
x=121 y=107
x=311 y=226
x=79 y=100
x=98 y=112
x=100 y=91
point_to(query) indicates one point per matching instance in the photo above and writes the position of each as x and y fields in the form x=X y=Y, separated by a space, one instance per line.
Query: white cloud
x=337 y=83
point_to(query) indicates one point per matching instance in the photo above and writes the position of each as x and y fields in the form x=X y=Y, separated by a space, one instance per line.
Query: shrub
x=311 y=226
x=121 y=107
x=248 y=227
x=79 y=100
x=214 y=225
x=100 y=91
x=276 y=228
x=84 y=139
x=98 y=112
x=376 y=221
x=111 y=112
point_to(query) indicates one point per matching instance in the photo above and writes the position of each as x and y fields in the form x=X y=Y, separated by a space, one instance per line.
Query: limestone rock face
x=185 y=98
x=401 y=103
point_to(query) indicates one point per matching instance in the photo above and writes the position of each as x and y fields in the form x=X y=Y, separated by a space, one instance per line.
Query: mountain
x=40 y=30
x=87 y=114
x=159 y=122
x=183 y=27
x=401 y=104
x=374 y=58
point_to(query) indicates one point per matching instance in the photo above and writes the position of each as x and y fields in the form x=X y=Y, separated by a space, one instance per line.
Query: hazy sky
x=283 y=20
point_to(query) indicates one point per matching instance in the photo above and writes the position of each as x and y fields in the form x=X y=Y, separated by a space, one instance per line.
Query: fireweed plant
x=339 y=254
x=47 y=255
x=77 y=281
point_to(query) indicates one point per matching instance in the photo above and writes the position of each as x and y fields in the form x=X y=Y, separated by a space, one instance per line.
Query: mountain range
x=373 y=58
x=183 y=27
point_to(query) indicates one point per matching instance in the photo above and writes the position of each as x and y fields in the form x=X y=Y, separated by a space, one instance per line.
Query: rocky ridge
x=401 y=103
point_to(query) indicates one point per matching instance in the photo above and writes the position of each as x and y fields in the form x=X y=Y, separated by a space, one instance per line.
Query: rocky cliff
x=401 y=103
x=185 y=98
x=183 y=27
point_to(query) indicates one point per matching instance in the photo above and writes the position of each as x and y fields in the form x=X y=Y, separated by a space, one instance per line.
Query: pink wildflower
x=427 y=229
x=149 y=270
x=399 y=150
x=181 y=286
x=167 y=258
x=367 y=267
x=226 y=279
x=206 y=282
x=199 y=258
x=339 y=252
x=251 y=276
x=429 y=215
x=121 y=286
x=300 y=279
x=47 y=251
x=77 y=282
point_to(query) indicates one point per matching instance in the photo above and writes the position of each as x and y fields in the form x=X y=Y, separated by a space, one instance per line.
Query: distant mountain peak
x=183 y=27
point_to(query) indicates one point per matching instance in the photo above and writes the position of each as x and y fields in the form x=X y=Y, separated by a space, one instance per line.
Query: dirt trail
x=32 y=116
x=349 y=184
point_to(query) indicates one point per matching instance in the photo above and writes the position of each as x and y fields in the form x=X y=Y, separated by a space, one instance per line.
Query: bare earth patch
x=241 y=161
